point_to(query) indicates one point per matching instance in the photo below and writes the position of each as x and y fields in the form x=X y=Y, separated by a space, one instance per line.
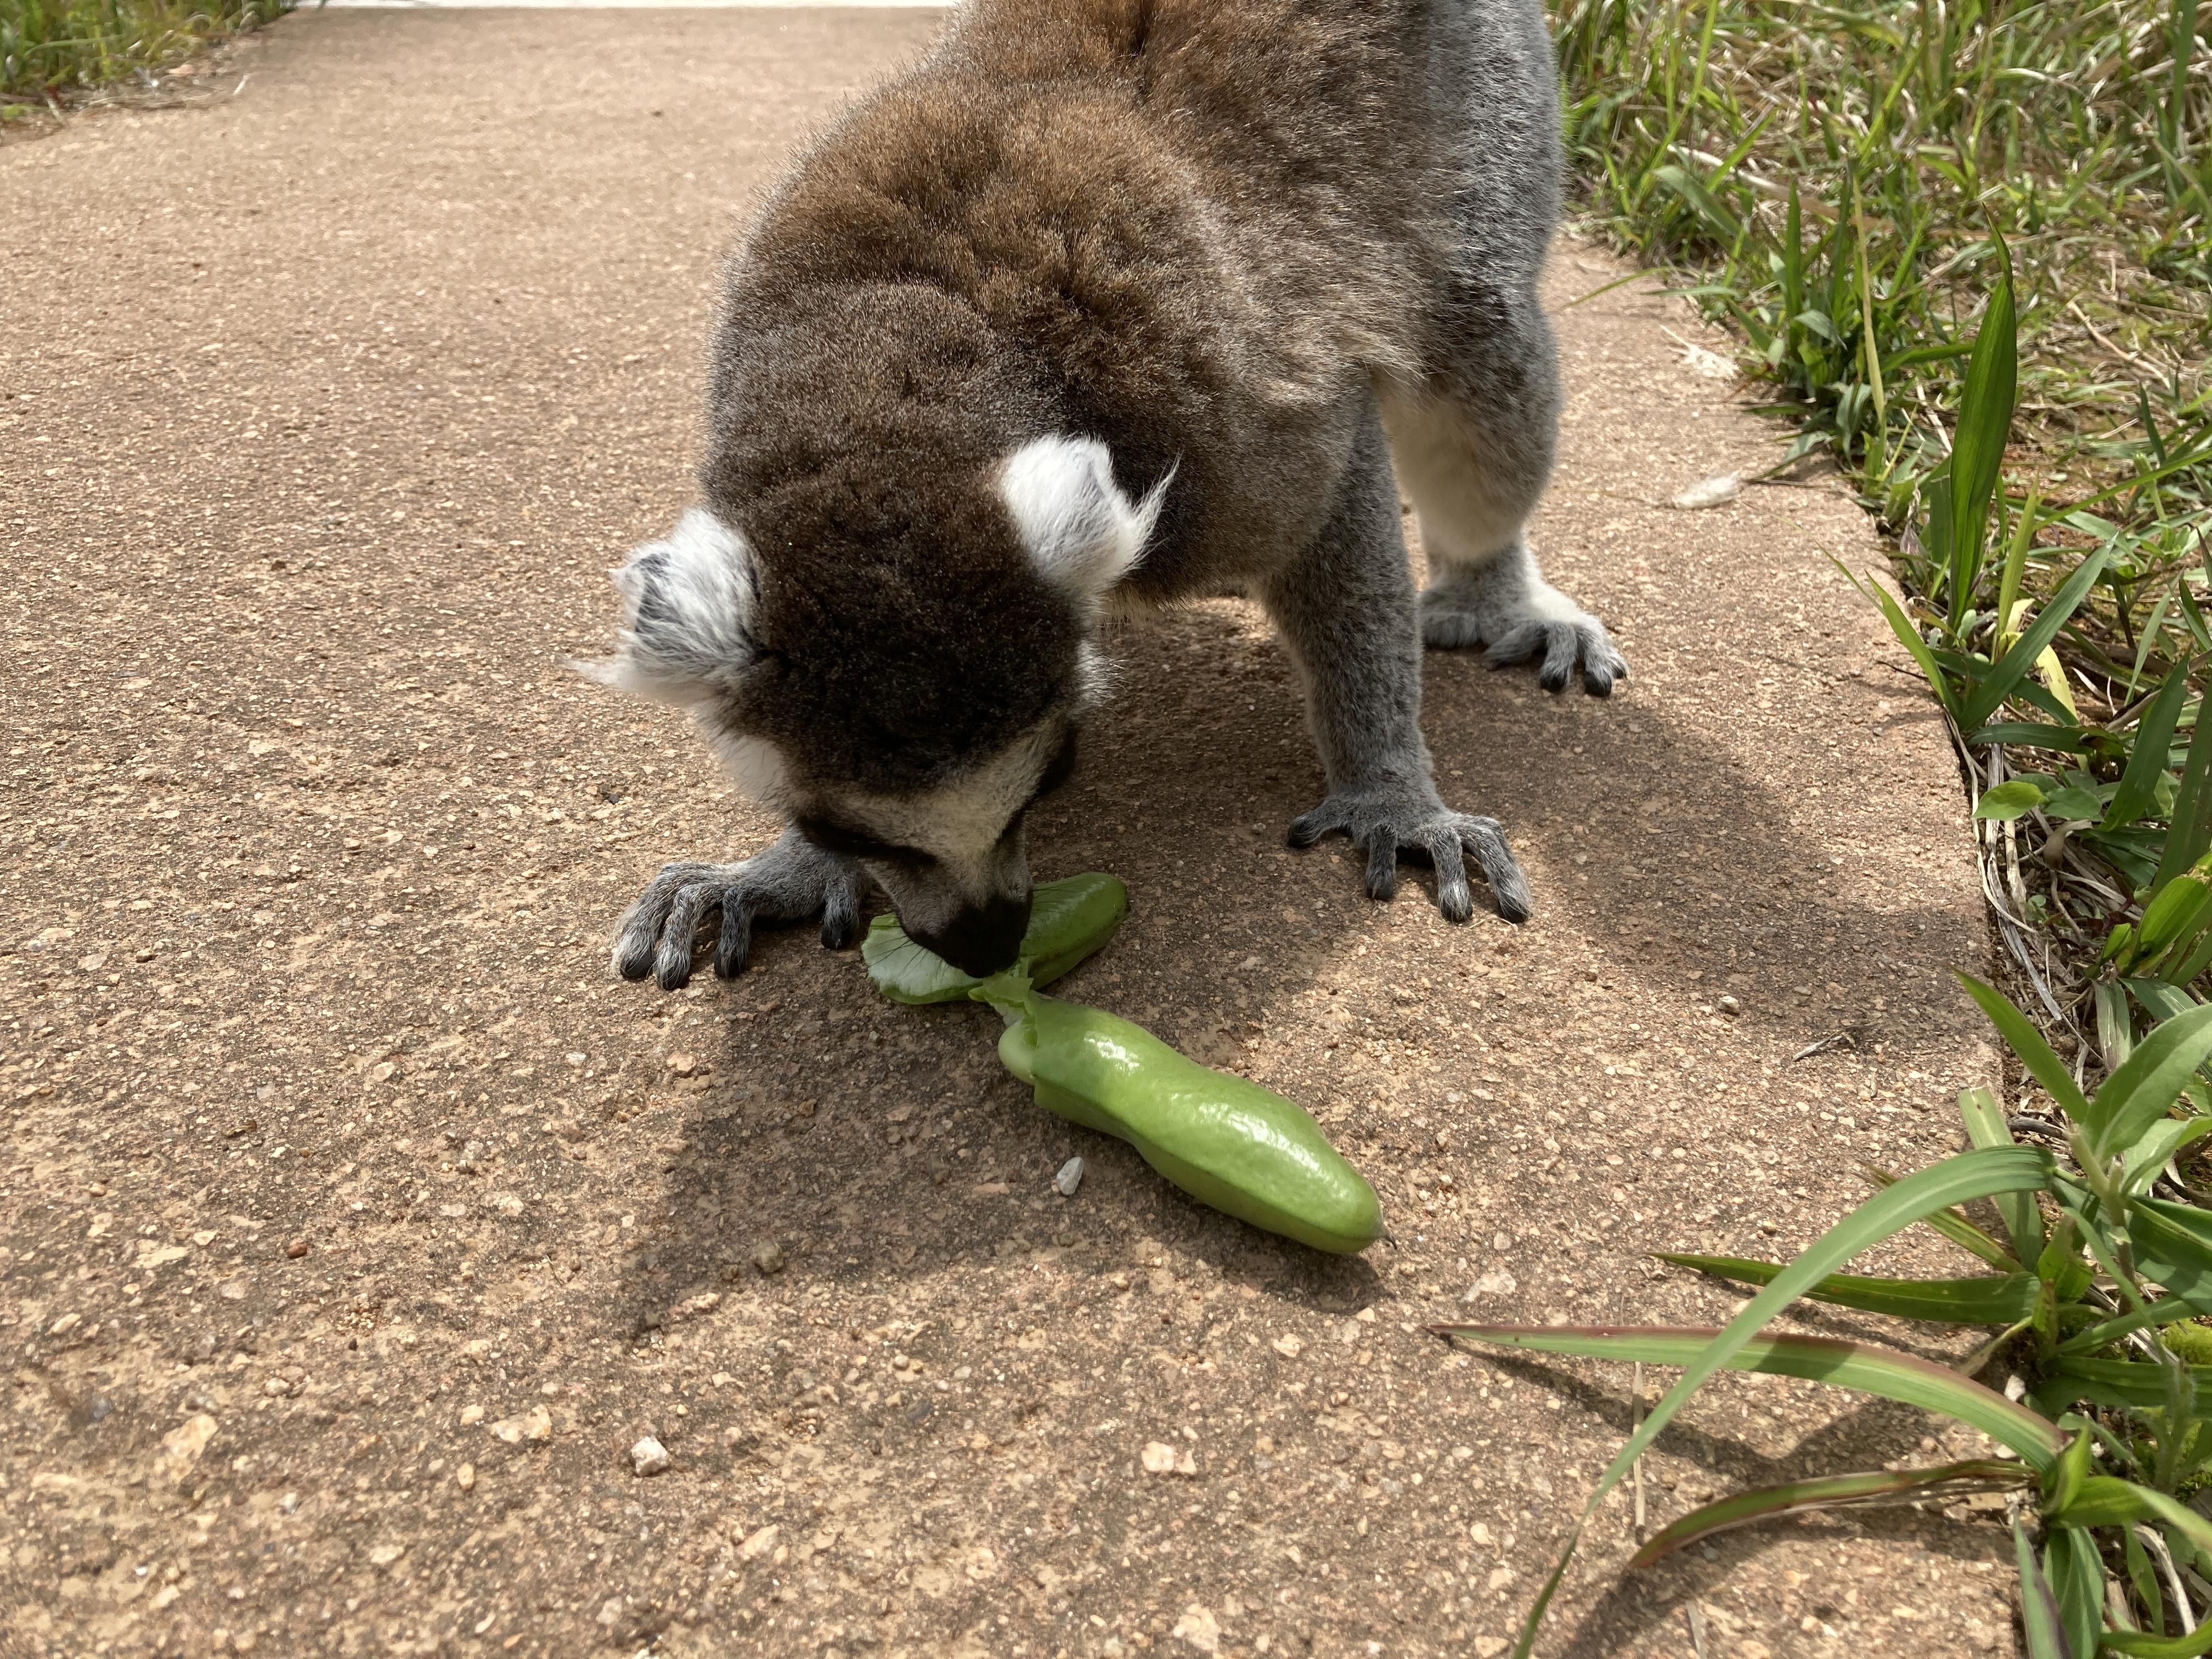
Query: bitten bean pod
x=1068 y=921
x=1245 y=1150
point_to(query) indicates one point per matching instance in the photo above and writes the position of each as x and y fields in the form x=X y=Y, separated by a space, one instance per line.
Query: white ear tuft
x=1083 y=533
x=686 y=632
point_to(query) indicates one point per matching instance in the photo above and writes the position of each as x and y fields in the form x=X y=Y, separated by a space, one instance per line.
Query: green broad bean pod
x=1244 y=1150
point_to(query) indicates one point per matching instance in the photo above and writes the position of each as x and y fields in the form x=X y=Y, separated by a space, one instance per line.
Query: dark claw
x=634 y=960
x=678 y=934
x=1447 y=858
x=1382 y=864
x=736 y=942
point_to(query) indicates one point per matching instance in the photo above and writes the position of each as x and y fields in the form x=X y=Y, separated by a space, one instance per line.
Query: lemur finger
x=735 y=942
x=1483 y=838
x=1517 y=644
x=1382 y=864
x=1453 y=897
x=1602 y=664
x=672 y=967
x=1322 y=821
x=1563 y=648
x=841 y=917
x=639 y=937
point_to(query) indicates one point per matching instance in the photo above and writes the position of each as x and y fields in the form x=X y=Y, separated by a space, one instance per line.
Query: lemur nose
x=982 y=940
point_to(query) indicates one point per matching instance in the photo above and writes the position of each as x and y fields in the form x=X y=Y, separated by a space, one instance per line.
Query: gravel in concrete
x=361 y=1231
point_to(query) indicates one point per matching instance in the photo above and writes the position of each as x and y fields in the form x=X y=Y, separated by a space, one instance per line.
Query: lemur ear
x=1083 y=533
x=687 y=625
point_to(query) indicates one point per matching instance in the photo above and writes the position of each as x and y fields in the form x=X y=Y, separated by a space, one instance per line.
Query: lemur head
x=903 y=685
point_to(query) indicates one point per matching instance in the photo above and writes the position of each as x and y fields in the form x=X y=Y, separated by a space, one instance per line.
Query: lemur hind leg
x=1347 y=610
x=794 y=881
x=1474 y=441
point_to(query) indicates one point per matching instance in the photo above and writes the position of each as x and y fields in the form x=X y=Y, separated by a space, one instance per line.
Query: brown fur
x=1151 y=222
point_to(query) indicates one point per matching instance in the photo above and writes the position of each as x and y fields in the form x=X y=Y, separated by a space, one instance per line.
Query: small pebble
x=768 y=1256
x=465 y=1477
x=296 y=1248
x=649 y=1456
x=1730 y=1005
x=1069 y=1178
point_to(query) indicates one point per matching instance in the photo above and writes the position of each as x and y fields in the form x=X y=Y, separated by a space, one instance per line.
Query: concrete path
x=358 y=1225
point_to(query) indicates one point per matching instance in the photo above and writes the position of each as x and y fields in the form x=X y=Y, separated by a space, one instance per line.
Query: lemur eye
x=1060 y=769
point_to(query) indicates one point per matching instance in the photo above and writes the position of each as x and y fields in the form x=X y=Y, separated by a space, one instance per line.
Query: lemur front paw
x=1518 y=625
x=792 y=882
x=1391 y=819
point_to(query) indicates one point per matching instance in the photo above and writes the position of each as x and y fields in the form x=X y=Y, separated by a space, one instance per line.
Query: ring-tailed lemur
x=1104 y=304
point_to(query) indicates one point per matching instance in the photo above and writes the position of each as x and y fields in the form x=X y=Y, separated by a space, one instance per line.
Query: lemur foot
x=1518 y=620
x=1387 y=820
x=792 y=882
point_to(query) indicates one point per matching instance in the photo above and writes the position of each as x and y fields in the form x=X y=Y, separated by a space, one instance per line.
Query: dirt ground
x=358 y=1223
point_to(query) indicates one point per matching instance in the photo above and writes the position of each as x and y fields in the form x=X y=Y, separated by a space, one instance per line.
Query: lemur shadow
x=869 y=1141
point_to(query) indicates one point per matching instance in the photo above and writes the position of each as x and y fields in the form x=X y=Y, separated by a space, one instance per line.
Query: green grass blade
x=2077 y=1580
x=2142 y=1578
x=1862 y=1366
x=1985 y=424
x=2175 y=916
x=2196 y=1642
x=2153 y=737
x=2191 y=831
x=2116 y=1029
x=1979 y=1174
x=2038 y=1607
x=1821 y=1493
x=2104 y=1500
x=1986 y=1126
x=2160 y=1000
x=2145 y=1088
x=1954 y=1226
x=1980 y=1300
x=2012 y=668
x=2015 y=561
x=2149 y=1157
x=2173 y=1246
x=2027 y=1042
x=1909 y=637
x=2166 y=1311
x=2136 y=1384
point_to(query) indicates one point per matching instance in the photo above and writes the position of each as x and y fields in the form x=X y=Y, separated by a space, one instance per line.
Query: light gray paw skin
x=792 y=882
x=1561 y=643
x=1388 y=822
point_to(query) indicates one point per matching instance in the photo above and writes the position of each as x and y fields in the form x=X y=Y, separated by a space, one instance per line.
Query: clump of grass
x=1866 y=191
x=1967 y=243
x=1835 y=176
x=2099 y=1274
x=58 y=46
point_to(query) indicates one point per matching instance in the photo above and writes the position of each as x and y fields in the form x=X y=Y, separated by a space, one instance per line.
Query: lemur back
x=1106 y=303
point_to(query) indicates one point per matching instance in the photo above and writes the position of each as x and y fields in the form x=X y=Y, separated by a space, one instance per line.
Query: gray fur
x=1211 y=249
x=1345 y=609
